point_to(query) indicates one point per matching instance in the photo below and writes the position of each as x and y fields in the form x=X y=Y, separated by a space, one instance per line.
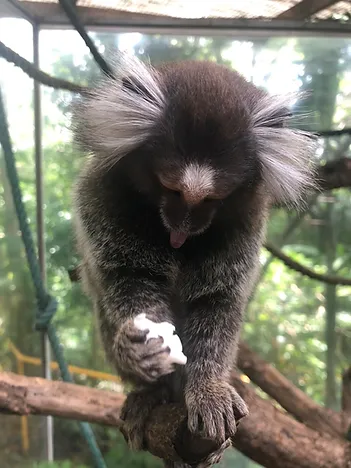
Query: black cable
x=331 y=133
x=38 y=75
x=71 y=12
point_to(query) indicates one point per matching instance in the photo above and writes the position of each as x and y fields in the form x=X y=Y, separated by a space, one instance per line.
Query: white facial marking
x=166 y=331
x=114 y=119
x=285 y=153
x=197 y=182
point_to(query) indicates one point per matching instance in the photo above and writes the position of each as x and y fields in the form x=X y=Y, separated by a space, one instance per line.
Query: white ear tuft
x=119 y=115
x=286 y=154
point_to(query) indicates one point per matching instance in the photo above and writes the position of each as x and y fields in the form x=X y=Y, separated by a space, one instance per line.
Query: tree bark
x=292 y=399
x=346 y=402
x=267 y=435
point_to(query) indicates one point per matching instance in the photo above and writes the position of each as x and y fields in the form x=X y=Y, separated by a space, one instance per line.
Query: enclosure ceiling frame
x=305 y=9
x=250 y=29
x=292 y=21
x=14 y=5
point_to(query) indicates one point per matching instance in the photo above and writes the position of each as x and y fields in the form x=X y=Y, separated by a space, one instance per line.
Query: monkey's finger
x=204 y=421
x=137 y=351
x=156 y=346
x=217 y=430
x=159 y=361
x=135 y=335
x=154 y=343
x=193 y=420
x=142 y=351
x=240 y=408
x=230 y=422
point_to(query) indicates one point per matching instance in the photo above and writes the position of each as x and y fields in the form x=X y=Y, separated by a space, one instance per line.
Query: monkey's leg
x=215 y=457
x=212 y=459
x=136 y=411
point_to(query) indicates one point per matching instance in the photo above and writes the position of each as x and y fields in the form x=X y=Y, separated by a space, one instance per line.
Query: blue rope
x=47 y=305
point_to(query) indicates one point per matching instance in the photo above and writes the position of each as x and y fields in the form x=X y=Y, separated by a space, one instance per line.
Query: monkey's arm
x=125 y=294
x=124 y=280
x=210 y=339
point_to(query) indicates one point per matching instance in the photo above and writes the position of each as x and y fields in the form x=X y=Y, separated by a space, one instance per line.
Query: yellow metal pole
x=73 y=369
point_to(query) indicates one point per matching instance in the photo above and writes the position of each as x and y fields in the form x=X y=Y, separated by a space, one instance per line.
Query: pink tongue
x=177 y=239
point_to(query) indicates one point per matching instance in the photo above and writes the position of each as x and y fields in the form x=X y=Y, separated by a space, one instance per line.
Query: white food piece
x=165 y=330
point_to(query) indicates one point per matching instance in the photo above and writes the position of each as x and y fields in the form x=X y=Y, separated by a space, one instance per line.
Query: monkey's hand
x=214 y=409
x=145 y=360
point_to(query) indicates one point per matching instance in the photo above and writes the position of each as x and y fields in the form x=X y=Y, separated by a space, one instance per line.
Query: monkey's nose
x=193 y=197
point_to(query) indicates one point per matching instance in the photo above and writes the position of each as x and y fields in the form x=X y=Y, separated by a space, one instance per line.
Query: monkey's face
x=195 y=138
x=192 y=190
x=188 y=202
x=192 y=195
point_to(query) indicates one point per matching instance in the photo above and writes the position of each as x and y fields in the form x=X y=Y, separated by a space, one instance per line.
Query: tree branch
x=266 y=435
x=31 y=395
x=289 y=262
x=335 y=174
x=292 y=399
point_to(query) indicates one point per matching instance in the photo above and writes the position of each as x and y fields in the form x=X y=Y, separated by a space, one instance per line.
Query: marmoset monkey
x=170 y=213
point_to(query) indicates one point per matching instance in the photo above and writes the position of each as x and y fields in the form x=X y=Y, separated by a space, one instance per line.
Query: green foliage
x=63 y=464
x=120 y=455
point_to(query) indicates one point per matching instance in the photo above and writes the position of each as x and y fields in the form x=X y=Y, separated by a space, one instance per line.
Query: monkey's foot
x=216 y=456
x=170 y=464
x=136 y=411
x=214 y=409
x=212 y=459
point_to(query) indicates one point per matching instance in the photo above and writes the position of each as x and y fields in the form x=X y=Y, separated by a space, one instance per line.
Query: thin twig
x=292 y=264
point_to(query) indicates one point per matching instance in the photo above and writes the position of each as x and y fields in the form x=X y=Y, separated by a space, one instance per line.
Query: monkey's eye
x=170 y=188
x=209 y=200
x=175 y=193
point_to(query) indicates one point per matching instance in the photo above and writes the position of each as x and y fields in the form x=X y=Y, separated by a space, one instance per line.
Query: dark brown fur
x=202 y=287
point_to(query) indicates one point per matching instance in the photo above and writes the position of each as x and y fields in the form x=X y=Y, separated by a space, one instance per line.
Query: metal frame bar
x=240 y=28
x=239 y=33
x=45 y=345
x=23 y=11
x=53 y=17
x=306 y=8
